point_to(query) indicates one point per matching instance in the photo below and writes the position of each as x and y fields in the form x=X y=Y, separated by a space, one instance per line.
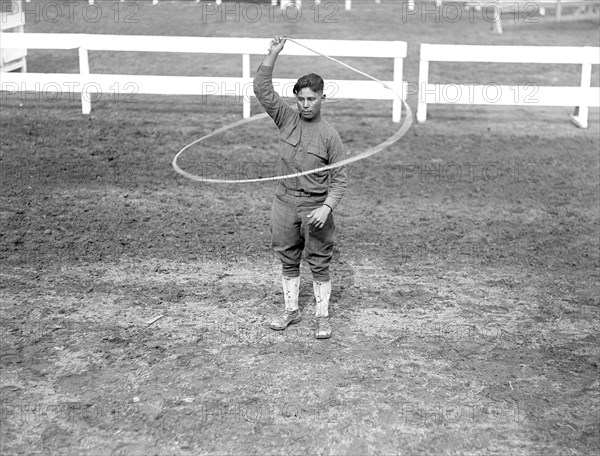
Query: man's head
x=309 y=95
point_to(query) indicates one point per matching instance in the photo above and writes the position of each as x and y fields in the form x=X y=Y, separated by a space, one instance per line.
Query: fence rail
x=582 y=96
x=88 y=83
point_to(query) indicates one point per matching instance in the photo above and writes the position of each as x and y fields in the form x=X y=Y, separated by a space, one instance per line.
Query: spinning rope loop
x=408 y=119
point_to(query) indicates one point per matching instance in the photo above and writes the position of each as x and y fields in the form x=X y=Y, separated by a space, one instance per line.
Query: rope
x=408 y=119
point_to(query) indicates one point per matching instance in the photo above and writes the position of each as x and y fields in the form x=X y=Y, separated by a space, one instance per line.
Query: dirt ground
x=465 y=278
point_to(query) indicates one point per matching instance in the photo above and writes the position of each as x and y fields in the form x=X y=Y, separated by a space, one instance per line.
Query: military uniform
x=303 y=145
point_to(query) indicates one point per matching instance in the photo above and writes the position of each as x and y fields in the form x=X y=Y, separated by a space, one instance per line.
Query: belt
x=301 y=193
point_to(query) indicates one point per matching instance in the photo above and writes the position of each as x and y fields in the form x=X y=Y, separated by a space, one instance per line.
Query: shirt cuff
x=329 y=201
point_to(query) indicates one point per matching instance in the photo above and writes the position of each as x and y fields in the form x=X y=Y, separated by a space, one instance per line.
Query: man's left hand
x=319 y=216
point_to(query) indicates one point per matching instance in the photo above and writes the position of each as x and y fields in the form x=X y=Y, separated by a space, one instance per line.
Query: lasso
x=372 y=151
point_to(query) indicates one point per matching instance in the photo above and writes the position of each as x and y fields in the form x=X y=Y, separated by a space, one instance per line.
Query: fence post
x=580 y=114
x=423 y=81
x=84 y=71
x=348 y=5
x=558 y=11
x=246 y=75
x=398 y=86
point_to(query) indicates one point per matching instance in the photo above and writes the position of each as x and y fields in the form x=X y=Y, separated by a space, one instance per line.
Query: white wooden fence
x=12 y=59
x=582 y=96
x=88 y=83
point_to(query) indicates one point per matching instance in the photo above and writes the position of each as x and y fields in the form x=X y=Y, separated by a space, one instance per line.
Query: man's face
x=309 y=103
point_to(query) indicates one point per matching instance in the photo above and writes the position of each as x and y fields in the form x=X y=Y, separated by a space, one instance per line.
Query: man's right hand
x=277 y=44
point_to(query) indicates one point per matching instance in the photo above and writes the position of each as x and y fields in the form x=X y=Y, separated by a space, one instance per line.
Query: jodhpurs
x=291 y=234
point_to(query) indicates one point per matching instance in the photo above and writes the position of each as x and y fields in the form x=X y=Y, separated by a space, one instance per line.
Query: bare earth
x=465 y=302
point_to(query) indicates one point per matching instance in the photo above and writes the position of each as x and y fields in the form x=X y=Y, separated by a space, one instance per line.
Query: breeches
x=291 y=234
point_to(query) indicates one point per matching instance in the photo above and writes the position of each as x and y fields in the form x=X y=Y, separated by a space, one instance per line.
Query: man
x=301 y=214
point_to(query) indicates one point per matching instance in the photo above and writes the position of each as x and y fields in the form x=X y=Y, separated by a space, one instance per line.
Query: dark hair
x=313 y=81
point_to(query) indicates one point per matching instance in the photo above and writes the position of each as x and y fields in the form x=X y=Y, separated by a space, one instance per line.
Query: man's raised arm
x=278 y=109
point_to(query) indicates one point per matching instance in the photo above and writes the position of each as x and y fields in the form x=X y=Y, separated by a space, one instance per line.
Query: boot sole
x=281 y=328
